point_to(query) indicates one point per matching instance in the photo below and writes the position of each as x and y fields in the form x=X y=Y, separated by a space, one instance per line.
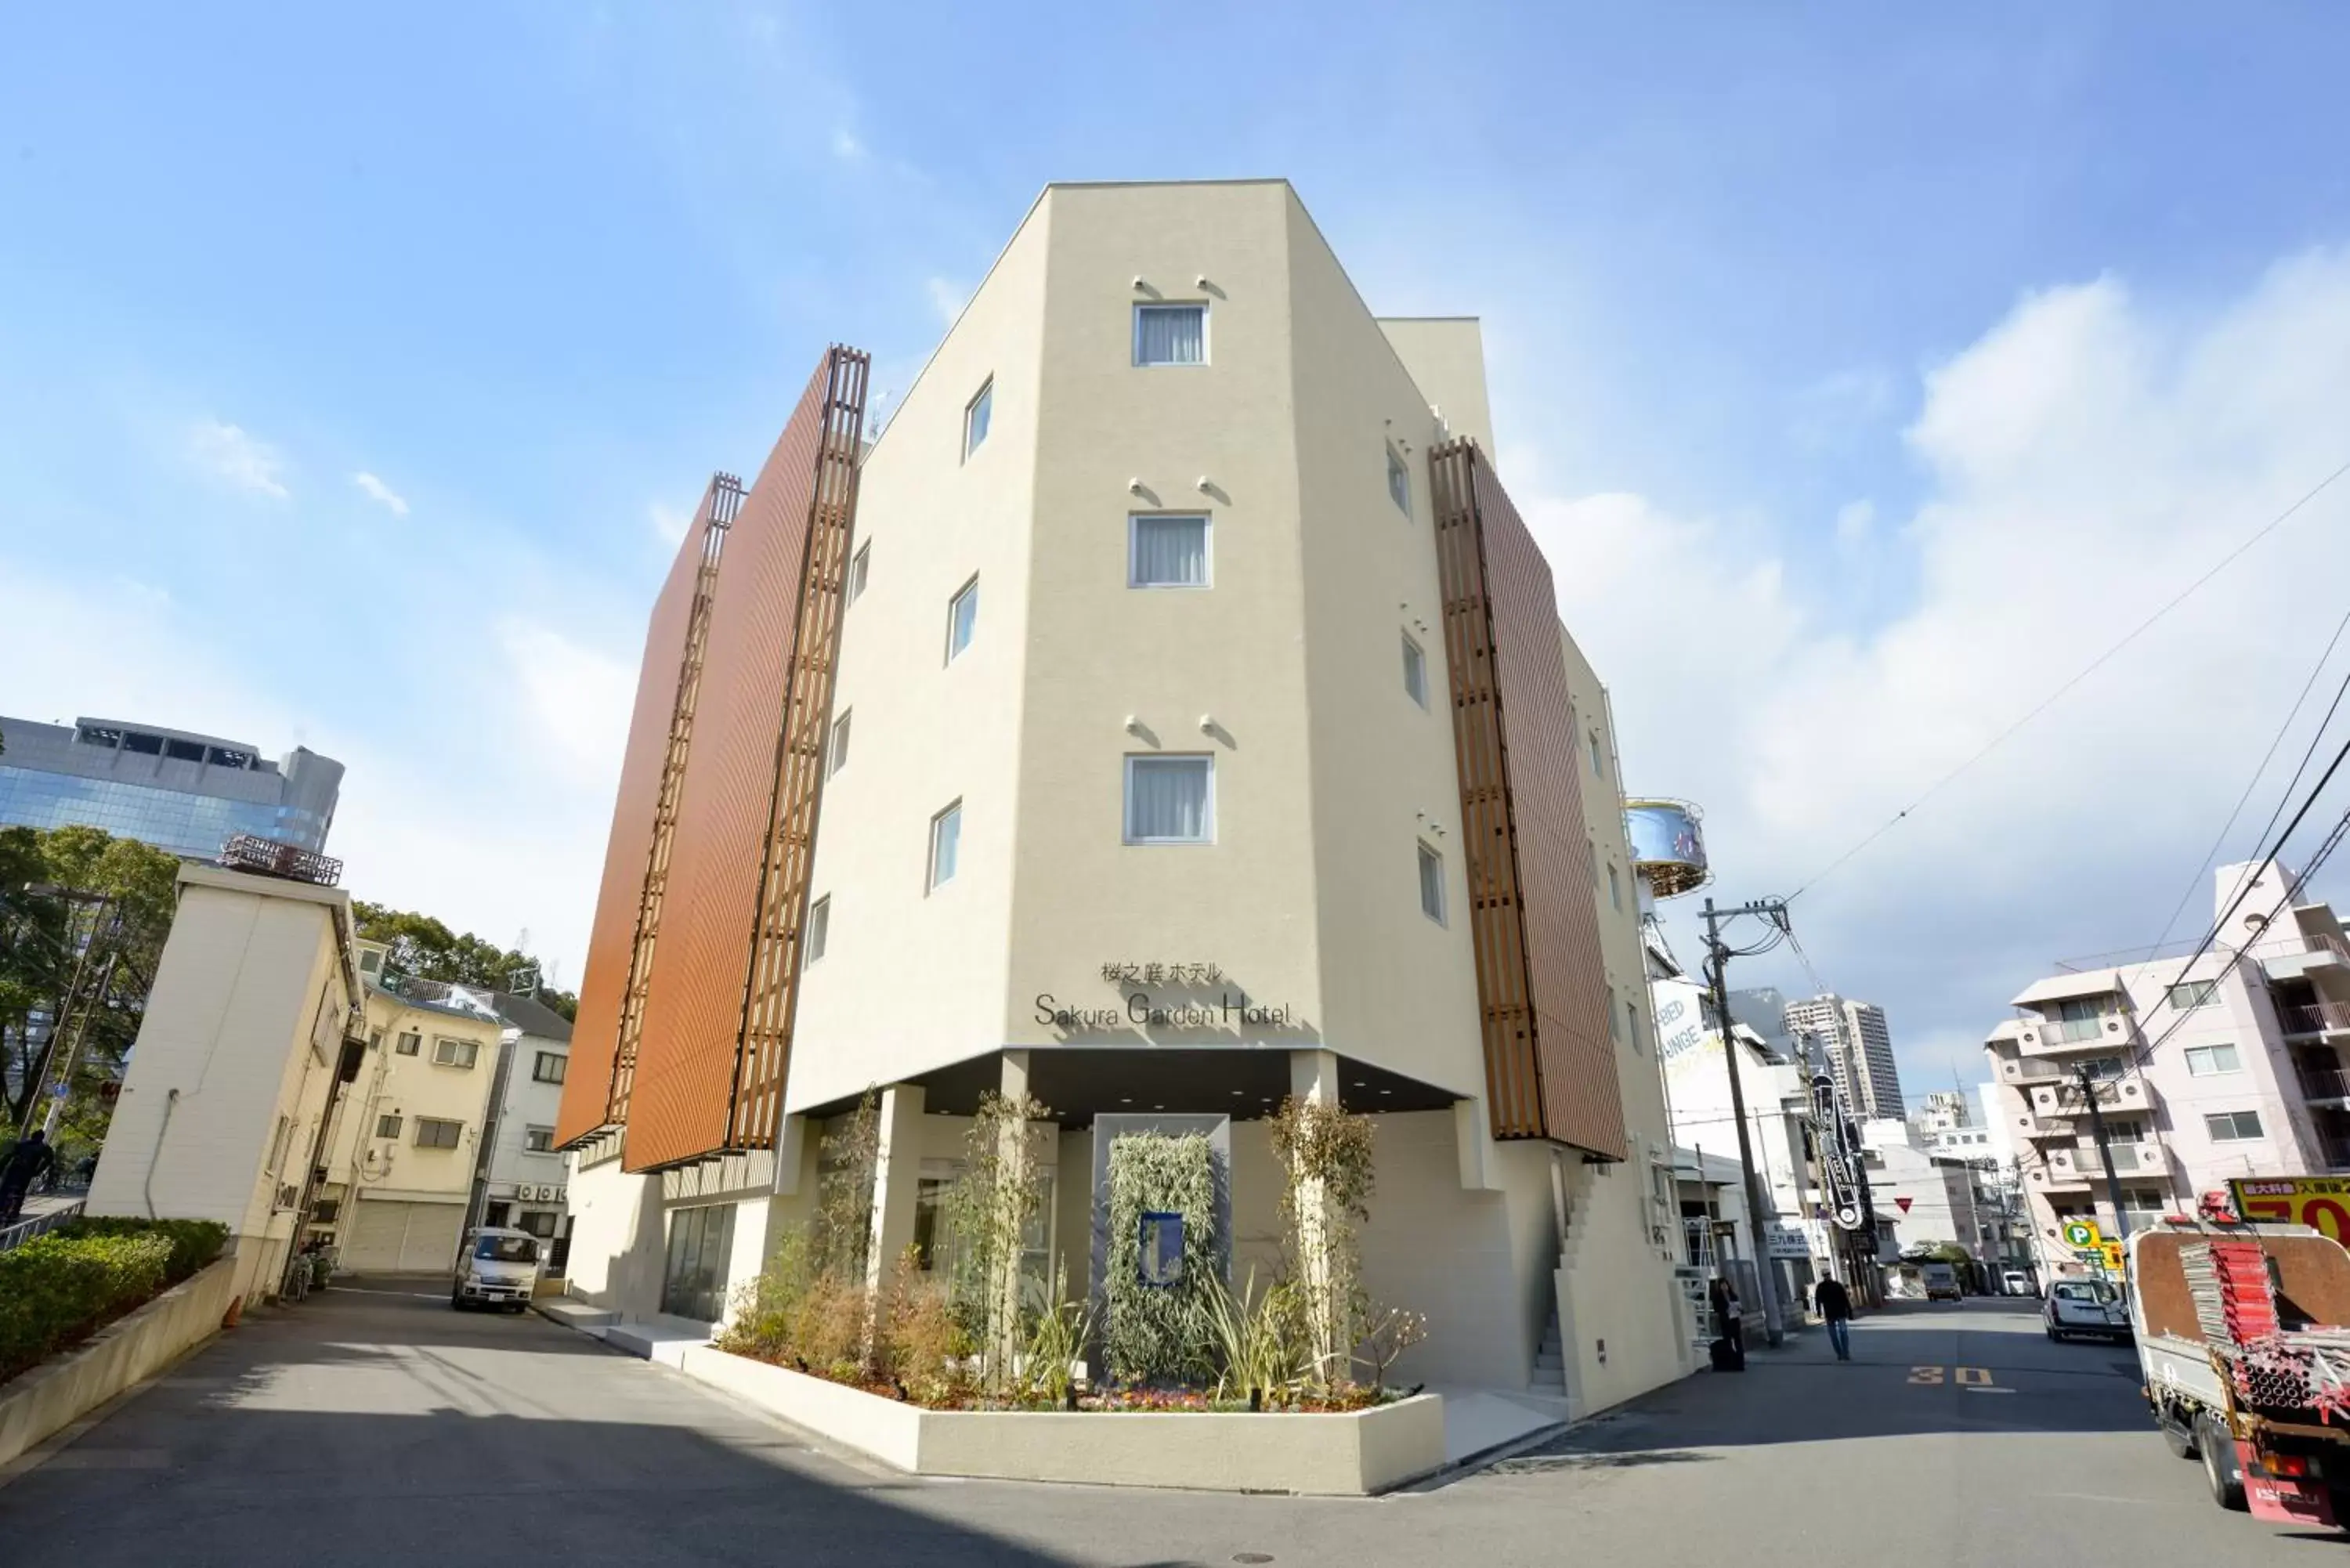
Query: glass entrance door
x=700 y=1240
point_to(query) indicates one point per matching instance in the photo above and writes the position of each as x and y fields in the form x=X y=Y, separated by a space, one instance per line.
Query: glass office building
x=188 y=794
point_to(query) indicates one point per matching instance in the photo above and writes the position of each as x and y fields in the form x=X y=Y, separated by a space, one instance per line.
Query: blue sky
x=1761 y=287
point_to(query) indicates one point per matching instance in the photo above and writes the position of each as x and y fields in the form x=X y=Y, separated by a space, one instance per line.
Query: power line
x=2092 y=667
x=2250 y=785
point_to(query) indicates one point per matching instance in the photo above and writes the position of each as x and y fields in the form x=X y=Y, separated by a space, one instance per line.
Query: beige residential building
x=255 y=1010
x=400 y=1172
x=1159 y=760
x=2220 y=1068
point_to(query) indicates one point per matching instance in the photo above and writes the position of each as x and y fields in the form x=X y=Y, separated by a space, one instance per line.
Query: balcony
x=2323 y=1082
x=2058 y=1105
x=2299 y=955
x=2063 y=1036
x=2313 y=1017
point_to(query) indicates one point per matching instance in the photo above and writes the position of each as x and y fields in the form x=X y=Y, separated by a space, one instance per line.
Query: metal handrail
x=24 y=1230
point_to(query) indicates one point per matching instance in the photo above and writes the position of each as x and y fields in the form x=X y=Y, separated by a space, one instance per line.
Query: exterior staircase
x=1550 y=1361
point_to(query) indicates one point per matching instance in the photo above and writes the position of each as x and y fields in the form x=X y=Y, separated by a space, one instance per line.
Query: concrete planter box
x=1350 y=1455
x=127 y=1350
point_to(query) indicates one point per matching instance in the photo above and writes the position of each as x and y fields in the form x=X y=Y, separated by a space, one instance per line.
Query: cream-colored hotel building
x=1165 y=713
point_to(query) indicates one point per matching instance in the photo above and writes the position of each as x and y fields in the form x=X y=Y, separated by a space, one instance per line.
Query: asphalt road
x=375 y=1425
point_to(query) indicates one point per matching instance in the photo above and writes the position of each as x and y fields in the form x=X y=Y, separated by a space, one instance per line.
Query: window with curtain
x=1415 y=672
x=946 y=844
x=1399 y=481
x=962 y=620
x=976 y=417
x=839 y=750
x=819 y=925
x=1166 y=552
x=1170 y=334
x=1170 y=800
x=1431 y=884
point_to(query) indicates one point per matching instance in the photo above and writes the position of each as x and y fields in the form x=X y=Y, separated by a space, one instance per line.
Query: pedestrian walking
x=1836 y=1305
x=32 y=1157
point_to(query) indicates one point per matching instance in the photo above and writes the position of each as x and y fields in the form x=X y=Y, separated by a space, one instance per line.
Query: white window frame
x=562 y=1060
x=398 y=1124
x=1398 y=469
x=408 y=1042
x=1126 y=801
x=984 y=398
x=932 y=881
x=1415 y=670
x=1142 y=306
x=423 y=1122
x=860 y=571
x=2210 y=1053
x=817 y=936
x=969 y=590
x=546 y=1136
x=1134 y=522
x=1431 y=857
x=2206 y=991
x=2259 y=1134
x=836 y=748
x=444 y=1057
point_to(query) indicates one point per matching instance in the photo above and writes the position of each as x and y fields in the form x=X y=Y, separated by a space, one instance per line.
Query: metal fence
x=24 y=1230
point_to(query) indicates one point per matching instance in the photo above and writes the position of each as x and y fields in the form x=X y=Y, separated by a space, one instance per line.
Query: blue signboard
x=1159 y=1260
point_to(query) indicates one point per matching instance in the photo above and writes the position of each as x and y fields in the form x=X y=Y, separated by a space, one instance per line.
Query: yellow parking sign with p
x=2082 y=1234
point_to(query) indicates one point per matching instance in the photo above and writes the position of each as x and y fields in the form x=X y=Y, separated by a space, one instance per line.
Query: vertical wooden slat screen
x=661 y=723
x=1550 y=1062
x=763 y=683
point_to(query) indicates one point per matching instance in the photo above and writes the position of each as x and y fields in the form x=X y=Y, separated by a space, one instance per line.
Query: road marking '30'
x=1975 y=1378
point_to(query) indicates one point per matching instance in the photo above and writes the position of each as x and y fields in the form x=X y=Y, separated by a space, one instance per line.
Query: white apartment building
x=399 y=1169
x=520 y=1179
x=1860 y=1048
x=2227 y=1068
x=1145 y=791
x=252 y=1017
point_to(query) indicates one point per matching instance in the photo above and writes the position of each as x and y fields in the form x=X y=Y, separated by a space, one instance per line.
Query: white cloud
x=231 y=455
x=668 y=523
x=577 y=699
x=378 y=491
x=2084 y=461
x=947 y=299
x=846 y=148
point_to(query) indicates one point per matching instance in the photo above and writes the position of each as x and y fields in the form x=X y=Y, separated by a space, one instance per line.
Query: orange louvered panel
x=1550 y=1066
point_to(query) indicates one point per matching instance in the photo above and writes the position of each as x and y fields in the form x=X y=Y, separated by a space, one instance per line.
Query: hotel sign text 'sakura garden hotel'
x=1167 y=714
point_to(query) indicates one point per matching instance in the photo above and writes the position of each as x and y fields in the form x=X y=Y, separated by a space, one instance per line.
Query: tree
x=425 y=949
x=83 y=916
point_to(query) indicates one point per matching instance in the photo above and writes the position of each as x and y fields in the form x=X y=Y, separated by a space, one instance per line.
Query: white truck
x=2241 y=1340
x=497 y=1267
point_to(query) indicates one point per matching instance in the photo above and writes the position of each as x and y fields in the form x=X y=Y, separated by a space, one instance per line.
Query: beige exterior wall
x=1617 y=1320
x=1446 y=358
x=229 y=1079
x=414 y=1088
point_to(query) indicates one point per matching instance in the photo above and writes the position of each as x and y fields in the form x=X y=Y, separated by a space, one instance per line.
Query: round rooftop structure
x=1668 y=846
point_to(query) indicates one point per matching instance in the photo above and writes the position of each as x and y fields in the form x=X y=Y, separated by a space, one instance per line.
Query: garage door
x=388 y=1237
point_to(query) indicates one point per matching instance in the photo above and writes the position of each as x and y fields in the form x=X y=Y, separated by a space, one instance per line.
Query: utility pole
x=1718 y=966
x=2105 y=1152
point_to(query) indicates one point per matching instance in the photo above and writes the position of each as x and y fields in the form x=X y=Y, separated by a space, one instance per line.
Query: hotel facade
x=1166 y=714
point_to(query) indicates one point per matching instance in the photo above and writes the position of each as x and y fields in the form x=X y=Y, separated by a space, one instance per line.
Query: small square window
x=2233 y=1126
x=860 y=567
x=946 y=844
x=2211 y=1060
x=1431 y=884
x=550 y=1067
x=432 y=1132
x=538 y=1140
x=1399 y=481
x=1170 y=800
x=1166 y=552
x=1415 y=672
x=409 y=1045
x=962 y=620
x=1632 y=1023
x=819 y=927
x=976 y=417
x=2193 y=993
x=837 y=757
x=1170 y=334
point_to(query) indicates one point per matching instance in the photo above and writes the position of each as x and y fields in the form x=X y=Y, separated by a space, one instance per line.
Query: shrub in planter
x=194 y=1242
x=58 y=1290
